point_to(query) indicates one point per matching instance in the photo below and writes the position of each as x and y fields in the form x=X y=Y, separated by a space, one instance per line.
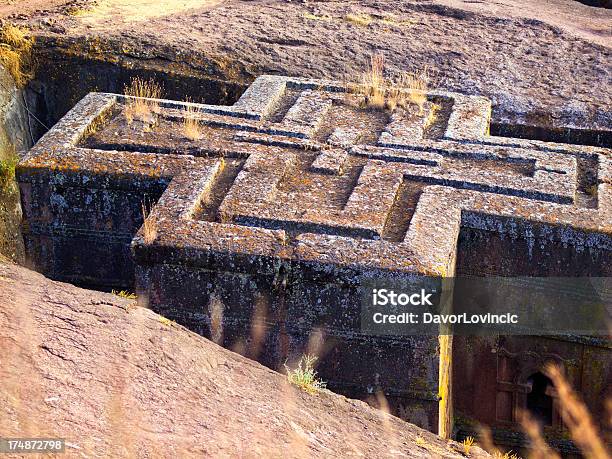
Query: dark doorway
x=539 y=401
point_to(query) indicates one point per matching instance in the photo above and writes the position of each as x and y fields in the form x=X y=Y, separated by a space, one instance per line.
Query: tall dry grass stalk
x=374 y=78
x=149 y=229
x=393 y=441
x=576 y=417
x=373 y=83
x=539 y=448
x=407 y=91
x=258 y=327
x=142 y=99
x=191 y=124
x=215 y=311
x=411 y=89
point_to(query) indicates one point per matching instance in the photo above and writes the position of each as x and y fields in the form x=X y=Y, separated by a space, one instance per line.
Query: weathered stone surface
x=357 y=202
x=15 y=138
x=523 y=55
x=117 y=380
x=269 y=214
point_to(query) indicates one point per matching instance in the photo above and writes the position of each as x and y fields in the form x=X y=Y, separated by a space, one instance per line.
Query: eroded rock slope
x=117 y=380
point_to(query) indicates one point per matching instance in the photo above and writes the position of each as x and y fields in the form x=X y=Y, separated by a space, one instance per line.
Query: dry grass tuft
x=77 y=11
x=165 y=321
x=420 y=441
x=315 y=17
x=16 y=37
x=142 y=101
x=16 y=54
x=506 y=455
x=124 y=294
x=592 y=190
x=486 y=442
x=148 y=226
x=305 y=376
x=409 y=90
x=467 y=445
x=374 y=78
x=97 y=123
x=373 y=83
x=391 y=20
x=360 y=19
x=191 y=124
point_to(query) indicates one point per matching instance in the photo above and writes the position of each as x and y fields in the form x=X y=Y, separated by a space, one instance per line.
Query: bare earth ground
x=592 y=24
x=117 y=380
x=544 y=63
x=28 y=7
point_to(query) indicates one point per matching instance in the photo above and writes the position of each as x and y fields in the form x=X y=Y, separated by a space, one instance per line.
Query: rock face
x=14 y=130
x=543 y=66
x=117 y=380
x=14 y=138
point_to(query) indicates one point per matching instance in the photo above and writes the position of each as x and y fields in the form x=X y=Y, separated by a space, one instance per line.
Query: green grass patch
x=7 y=170
x=305 y=376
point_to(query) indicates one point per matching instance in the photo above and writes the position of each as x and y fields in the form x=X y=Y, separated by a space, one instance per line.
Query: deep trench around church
x=53 y=94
